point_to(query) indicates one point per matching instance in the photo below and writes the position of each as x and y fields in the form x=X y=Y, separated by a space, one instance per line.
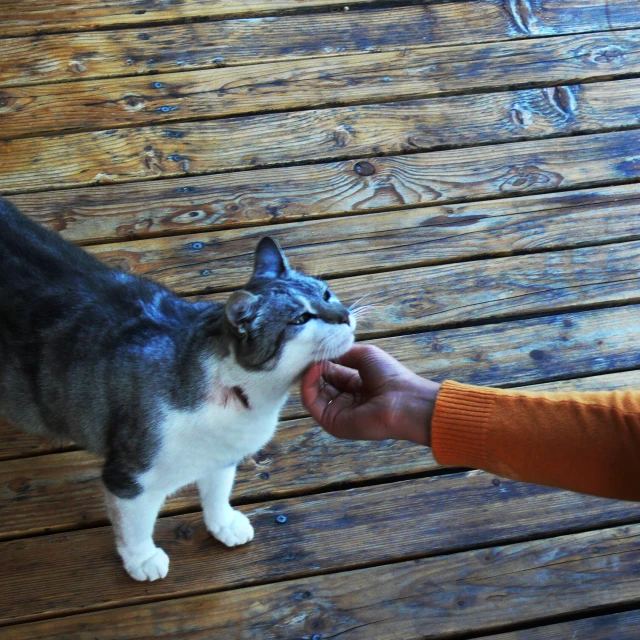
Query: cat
x=169 y=392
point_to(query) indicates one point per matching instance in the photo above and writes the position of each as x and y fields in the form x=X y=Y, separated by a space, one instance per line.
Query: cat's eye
x=302 y=318
x=327 y=295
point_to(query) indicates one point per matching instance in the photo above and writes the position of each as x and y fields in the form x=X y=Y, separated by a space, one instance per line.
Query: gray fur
x=91 y=354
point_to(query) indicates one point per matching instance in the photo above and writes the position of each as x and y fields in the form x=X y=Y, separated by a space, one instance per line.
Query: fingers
x=354 y=357
x=374 y=365
x=326 y=389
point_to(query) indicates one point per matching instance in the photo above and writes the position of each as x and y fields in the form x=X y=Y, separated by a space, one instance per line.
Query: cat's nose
x=346 y=318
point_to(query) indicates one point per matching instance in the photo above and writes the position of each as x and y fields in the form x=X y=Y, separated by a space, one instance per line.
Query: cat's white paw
x=235 y=532
x=153 y=568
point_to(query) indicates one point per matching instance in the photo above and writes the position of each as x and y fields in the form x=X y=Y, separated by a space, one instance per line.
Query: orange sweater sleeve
x=587 y=442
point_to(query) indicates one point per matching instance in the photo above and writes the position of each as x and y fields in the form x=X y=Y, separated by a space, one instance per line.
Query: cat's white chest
x=216 y=435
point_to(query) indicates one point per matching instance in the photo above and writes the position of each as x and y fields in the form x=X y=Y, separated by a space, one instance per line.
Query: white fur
x=205 y=446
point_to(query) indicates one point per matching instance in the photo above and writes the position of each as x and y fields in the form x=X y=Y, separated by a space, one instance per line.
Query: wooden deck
x=472 y=166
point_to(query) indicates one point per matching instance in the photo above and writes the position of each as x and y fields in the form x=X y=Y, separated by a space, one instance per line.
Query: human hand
x=369 y=395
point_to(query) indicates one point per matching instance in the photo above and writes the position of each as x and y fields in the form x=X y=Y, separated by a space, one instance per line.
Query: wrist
x=419 y=408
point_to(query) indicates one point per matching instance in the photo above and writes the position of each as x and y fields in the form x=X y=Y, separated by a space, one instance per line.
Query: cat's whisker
x=362 y=311
x=359 y=300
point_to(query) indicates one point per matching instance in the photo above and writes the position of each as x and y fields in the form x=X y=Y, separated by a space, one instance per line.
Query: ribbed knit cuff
x=460 y=423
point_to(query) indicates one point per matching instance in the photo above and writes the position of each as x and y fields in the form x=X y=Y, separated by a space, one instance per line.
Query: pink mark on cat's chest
x=224 y=395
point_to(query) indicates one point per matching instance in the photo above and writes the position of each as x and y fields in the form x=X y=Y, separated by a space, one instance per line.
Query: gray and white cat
x=169 y=392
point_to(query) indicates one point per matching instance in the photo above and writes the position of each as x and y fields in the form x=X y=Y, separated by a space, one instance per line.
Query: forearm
x=587 y=442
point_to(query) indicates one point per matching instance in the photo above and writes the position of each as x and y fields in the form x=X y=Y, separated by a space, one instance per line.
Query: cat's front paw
x=233 y=533
x=153 y=568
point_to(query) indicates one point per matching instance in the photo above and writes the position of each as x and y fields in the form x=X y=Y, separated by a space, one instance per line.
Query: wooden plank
x=621 y=626
x=15 y=443
x=483 y=290
x=262 y=141
x=39 y=16
x=360 y=245
x=344 y=80
x=475 y=591
x=359 y=184
x=61 y=492
x=488 y=290
x=144 y=50
x=68 y=15
x=524 y=351
x=329 y=532
x=606 y=214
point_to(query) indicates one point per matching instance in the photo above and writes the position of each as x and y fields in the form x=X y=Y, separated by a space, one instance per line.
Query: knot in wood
x=562 y=99
x=612 y=54
x=529 y=177
x=184 y=532
x=75 y=66
x=522 y=14
x=364 y=168
x=134 y=103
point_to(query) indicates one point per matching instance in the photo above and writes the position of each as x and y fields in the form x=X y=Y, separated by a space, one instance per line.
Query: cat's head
x=283 y=318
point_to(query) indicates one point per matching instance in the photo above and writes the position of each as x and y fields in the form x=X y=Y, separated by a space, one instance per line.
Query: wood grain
x=350 y=185
x=332 y=531
x=144 y=50
x=528 y=222
x=67 y=15
x=40 y=16
x=524 y=351
x=266 y=140
x=487 y=290
x=621 y=626
x=281 y=86
x=476 y=591
x=382 y=242
x=13 y=441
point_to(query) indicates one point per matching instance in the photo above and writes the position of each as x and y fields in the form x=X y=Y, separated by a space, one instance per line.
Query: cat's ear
x=269 y=261
x=239 y=311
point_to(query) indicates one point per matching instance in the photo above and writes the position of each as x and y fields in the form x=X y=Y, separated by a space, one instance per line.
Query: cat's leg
x=133 y=521
x=226 y=524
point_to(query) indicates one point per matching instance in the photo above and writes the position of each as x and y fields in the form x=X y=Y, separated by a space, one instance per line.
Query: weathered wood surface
x=621 y=626
x=66 y=15
x=105 y=213
x=144 y=50
x=379 y=77
x=373 y=524
x=13 y=441
x=262 y=141
x=62 y=492
x=483 y=290
x=39 y=16
x=219 y=262
x=349 y=185
x=476 y=591
x=450 y=75
x=525 y=351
